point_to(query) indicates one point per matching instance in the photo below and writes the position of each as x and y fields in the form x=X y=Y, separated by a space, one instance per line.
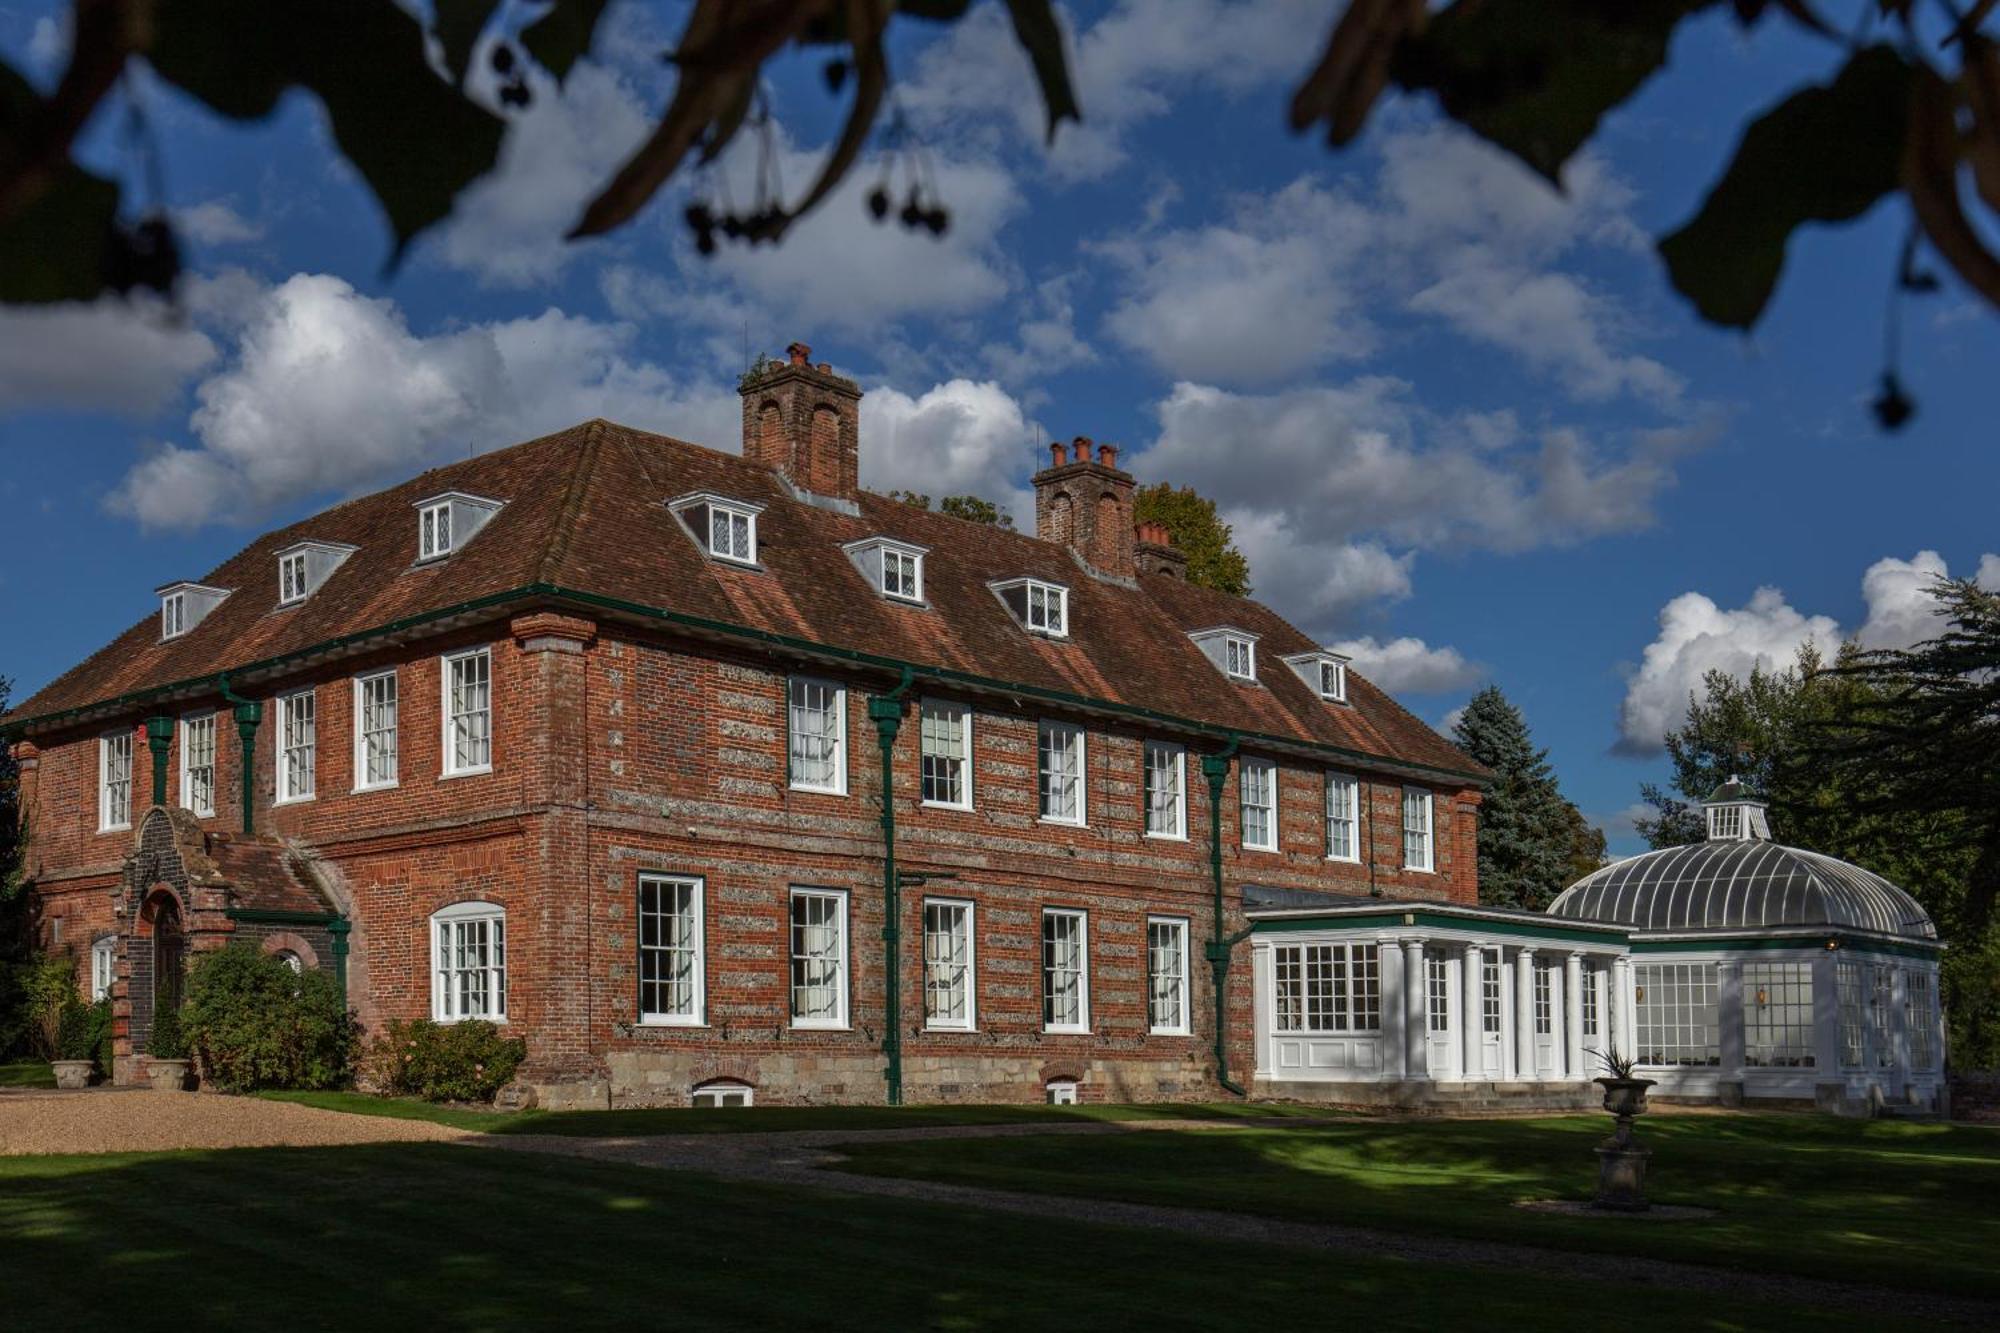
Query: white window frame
x=968 y=915
x=1337 y=782
x=446 y=994
x=173 y=615
x=395 y=747
x=1082 y=919
x=963 y=713
x=1427 y=803
x=283 y=771
x=1060 y=1091
x=434 y=534
x=1779 y=1028
x=1269 y=807
x=108 y=745
x=1177 y=768
x=294 y=578
x=1346 y=977
x=1040 y=598
x=1044 y=730
x=1182 y=993
x=1338 y=670
x=697 y=1012
x=838 y=705
x=711 y=1096
x=1680 y=1021
x=448 y=748
x=731 y=514
x=189 y=721
x=1239 y=657
x=838 y=1020
x=103 y=967
x=893 y=560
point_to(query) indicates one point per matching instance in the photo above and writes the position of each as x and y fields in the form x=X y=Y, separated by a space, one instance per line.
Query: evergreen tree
x=1527 y=831
x=1199 y=534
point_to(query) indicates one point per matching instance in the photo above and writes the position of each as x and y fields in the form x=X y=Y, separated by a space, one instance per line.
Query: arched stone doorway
x=165 y=930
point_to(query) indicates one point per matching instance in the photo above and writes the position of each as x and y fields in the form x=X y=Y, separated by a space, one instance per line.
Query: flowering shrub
x=254 y=1023
x=444 y=1062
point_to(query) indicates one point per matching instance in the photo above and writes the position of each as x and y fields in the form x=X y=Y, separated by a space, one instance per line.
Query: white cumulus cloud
x=959 y=438
x=1409 y=665
x=111 y=355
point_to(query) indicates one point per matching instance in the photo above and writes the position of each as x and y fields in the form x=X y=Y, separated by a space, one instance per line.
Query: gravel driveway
x=140 y=1120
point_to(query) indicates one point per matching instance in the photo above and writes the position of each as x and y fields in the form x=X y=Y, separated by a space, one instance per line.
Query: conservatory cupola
x=1735 y=814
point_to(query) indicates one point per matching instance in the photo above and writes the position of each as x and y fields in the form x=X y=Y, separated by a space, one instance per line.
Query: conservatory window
x=819 y=958
x=1591 y=1018
x=1258 y=781
x=947 y=754
x=1065 y=972
x=375 y=731
x=1881 y=994
x=114 y=782
x=1920 y=1016
x=1674 y=1011
x=198 y=763
x=1545 y=999
x=1166 y=975
x=1343 y=833
x=1416 y=829
x=1778 y=1015
x=298 y=746
x=670 y=949
x=469 y=963
x=948 y=964
x=1852 y=1042
x=818 y=724
x=468 y=712
x=1328 y=987
x=1437 y=986
x=1059 y=757
x=103 y=967
x=1166 y=790
x=1489 y=994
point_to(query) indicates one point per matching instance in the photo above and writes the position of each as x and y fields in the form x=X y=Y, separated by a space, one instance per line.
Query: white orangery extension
x=1732 y=969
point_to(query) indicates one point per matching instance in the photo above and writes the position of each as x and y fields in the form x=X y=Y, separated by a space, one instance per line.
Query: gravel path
x=803 y=1158
x=140 y=1120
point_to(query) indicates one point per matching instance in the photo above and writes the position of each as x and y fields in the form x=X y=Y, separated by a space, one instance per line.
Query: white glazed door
x=1496 y=1027
x=1442 y=978
x=1548 y=1021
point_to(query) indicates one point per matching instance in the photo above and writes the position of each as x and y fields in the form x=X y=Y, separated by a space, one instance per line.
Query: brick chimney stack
x=1154 y=551
x=1085 y=503
x=803 y=421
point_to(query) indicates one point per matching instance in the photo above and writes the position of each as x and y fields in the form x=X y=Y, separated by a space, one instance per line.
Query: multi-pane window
x=902 y=574
x=1920 y=1017
x=469 y=963
x=434 y=531
x=1592 y=1018
x=198 y=763
x=732 y=534
x=1258 y=783
x=1881 y=994
x=1167 y=974
x=818 y=728
x=1048 y=609
x=1489 y=993
x=298 y=746
x=1725 y=821
x=1343 y=828
x=375 y=730
x=1333 y=681
x=1328 y=987
x=947 y=754
x=819 y=958
x=1166 y=790
x=670 y=957
x=1059 y=762
x=947 y=964
x=292 y=585
x=468 y=712
x=1416 y=829
x=1545 y=1000
x=1065 y=975
x=103 y=967
x=1674 y=1011
x=1852 y=1048
x=1437 y=992
x=173 y=615
x=1778 y=1015
x=114 y=781
x=1239 y=657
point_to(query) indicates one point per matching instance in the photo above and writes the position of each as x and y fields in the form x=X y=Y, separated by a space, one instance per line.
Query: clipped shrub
x=169 y=1041
x=84 y=1032
x=445 y=1062
x=254 y=1023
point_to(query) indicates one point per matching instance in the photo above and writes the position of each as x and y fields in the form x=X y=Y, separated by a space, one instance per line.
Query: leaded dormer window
x=1323 y=672
x=173 y=615
x=185 y=605
x=291 y=578
x=1234 y=651
x=304 y=566
x=434 y=531
x=445 y=523
x=725 y=529
x=1040 y=607
x=894 y=569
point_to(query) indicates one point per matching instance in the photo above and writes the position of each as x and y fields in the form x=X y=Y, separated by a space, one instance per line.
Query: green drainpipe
x=886 y=712
x=248 y=714
x=1215 y=767
x=338 y=928
x=159 y=735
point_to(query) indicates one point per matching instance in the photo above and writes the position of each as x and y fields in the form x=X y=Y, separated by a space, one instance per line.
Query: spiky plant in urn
x=1621 y=1163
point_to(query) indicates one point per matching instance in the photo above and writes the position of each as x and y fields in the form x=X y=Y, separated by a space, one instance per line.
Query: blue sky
x=1462 y=426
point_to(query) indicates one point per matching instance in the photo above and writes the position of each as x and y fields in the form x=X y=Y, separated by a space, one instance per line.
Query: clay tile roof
x=265 y=875
x=584 y=511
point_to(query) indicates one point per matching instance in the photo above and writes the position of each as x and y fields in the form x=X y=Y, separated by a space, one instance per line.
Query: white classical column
x=1524 y=1014
x=1472 y=1012
x=1826 y=1016
x=1416 y=1006
x=1389 y=976
x=1625 y=1033
x=1573 y=1017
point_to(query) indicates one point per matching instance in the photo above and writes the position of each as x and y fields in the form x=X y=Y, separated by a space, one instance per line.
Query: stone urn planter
x=73 y=1074
x=1621 y=1163
x=1625 y=1097
x=167 y=1075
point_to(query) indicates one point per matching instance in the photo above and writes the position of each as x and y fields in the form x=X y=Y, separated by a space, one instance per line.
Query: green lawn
x=31 y=1074
x=1885 y=1202
x=437 y=1236
x=764 y=1119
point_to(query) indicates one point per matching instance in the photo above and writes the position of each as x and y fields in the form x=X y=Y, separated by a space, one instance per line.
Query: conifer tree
x=1527 y=831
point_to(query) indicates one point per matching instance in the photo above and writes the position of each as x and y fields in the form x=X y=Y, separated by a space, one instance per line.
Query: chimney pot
x=1107 y=454
x=800 y=353
x=826 y=367
x=1082 y=446
x=1056 y=452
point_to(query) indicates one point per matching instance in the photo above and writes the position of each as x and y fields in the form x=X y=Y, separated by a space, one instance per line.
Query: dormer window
x=1323 y=672
x=726 y=529
x=185 y=605
x=1041 y=607
x=303 y=567
x=445 y=523
x=1234 y=651
x=894 y=569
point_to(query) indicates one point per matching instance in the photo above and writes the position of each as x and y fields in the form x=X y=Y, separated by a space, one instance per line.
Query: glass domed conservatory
x=1759 y=971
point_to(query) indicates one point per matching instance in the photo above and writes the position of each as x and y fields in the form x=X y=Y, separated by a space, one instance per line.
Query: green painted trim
x=339 y=928
x=281 y=916
x=886 y=712
x=1408 y=920
x=159 y=738
x=1737 y=944
x=1215 y=768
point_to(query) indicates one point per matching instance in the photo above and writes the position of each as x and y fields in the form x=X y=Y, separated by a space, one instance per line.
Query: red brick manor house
x=717 y=778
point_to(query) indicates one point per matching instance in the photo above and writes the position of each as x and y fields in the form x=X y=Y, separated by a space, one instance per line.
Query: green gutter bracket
x=1215 y=767
x=338 y=928
x=159 y=736
x=886 y=712
x=248 y=714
